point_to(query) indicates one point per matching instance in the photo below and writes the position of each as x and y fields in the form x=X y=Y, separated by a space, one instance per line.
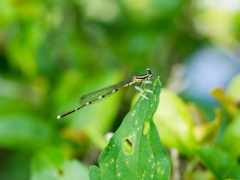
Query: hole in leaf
x=127 y=146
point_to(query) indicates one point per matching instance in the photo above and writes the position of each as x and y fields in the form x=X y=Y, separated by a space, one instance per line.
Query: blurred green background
x=52 y=52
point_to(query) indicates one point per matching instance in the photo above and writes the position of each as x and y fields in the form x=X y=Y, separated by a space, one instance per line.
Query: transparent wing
x=101 y=92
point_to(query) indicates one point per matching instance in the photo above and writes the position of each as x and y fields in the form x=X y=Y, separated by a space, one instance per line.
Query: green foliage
x=233 y=89
x=52 y=164
x=22 y=132
x=53 y=52
x=199 y=140
x=219 y=162
x=231 y=137
x=144 y=156
x=175 y=119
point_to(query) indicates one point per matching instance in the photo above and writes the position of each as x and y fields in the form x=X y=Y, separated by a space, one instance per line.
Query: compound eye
x=149 y=72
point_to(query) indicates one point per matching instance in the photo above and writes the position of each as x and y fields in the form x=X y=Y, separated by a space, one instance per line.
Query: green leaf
x=233 y=89
x=74 y=170
x=225 y=100
x=52 y=164
x=231 y=137
x=207 y=132
x=219 y=162
x=47 y=164
x=14 y=165
x=22 y=132
x=174 y=122
x=135 y=151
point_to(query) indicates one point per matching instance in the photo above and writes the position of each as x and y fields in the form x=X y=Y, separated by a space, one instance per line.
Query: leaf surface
x=135 y=151
x=219 y=162
x=174 y=122
x=22 y=132
x=52 y=164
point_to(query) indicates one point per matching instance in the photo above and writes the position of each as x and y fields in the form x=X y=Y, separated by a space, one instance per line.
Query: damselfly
x=101 y=93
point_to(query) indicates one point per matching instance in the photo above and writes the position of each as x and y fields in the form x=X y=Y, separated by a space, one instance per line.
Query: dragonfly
x=102 y=93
